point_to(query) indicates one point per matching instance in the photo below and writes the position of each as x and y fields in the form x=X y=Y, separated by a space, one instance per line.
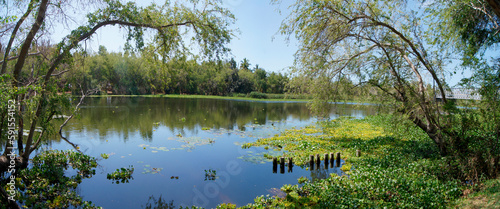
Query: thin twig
x=89 y=92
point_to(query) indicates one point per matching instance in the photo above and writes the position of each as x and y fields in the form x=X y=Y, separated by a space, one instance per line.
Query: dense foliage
x=146 y=73
x=52 y=179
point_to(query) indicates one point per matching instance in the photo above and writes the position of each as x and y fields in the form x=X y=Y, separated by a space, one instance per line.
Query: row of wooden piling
x=282 y=165
x=329 y=160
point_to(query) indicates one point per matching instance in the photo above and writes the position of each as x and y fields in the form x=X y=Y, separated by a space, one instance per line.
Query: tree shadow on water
x=159 y=203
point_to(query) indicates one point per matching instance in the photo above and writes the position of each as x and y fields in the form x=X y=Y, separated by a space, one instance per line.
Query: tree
x=469 y=26
x=36 y=93
x=245 y=64
x=232 y=64
x=381 y=43
x=277 y=83
x=260 y=79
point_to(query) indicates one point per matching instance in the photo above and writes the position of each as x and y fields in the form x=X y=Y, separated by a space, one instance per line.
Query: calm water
x=172 y=137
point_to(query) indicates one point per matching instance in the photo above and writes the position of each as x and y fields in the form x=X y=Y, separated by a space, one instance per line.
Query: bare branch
x=89 y=92
x=15 y=57
x=484 y=12
x=35 y=146
x=416 y=52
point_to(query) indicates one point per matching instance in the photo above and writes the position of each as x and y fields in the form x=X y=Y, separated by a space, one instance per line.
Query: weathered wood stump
x=275 y=165
x=282 y=165
x=311 y=162
x=338 y=159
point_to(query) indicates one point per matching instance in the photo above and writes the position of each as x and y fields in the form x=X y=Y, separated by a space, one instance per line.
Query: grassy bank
x=273 y=97
x=249 y=97
x=399 y=167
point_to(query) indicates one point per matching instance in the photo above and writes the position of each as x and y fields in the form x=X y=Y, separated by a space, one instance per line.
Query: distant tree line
x=149 y=73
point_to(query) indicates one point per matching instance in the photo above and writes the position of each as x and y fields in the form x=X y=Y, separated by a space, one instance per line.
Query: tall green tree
x=245 y=64
x=36 y=93
x=386 y=44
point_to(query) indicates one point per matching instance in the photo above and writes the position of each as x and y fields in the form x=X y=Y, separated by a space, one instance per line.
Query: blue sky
x=259 y=22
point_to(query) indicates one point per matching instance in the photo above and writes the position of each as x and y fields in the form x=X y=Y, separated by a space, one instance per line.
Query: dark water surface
x=176 y=137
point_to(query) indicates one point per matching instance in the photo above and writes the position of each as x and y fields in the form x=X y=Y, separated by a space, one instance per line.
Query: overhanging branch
x=15 y=57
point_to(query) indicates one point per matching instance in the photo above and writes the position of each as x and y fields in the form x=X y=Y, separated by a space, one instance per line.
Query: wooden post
x=326 y=160
x=311 y=162
x=338 y=159
x=290 y=164
x=358 y=153
x=282 y=165
x=275 y=165
x=332 y=159
x=318 y=160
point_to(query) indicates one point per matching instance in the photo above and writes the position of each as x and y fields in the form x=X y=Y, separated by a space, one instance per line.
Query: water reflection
x=159 y=203
x=318 y=169
x=125 y=115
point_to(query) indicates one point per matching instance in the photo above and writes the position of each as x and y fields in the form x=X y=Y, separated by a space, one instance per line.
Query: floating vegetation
x=210 y=175
x=260 y=158
x=323 y=138
x=121 y=175
x=151 y=170
x=164 y=149
x=346 y=167
x=190 y=142
x=104 y=155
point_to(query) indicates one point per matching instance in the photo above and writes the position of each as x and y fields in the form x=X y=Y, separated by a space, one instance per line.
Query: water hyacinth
x=399 y=168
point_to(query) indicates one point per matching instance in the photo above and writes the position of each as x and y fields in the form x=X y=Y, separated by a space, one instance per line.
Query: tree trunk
x=13 y=36
x=19 y=163
x=432 y=131
x=27 y=42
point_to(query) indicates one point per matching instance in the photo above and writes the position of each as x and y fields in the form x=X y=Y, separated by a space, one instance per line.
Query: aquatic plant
x=121 y=175
x=210 y=175
x=104 y=155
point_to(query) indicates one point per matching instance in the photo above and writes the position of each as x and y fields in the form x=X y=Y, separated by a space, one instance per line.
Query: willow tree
x=29 y=72
x=388 y=45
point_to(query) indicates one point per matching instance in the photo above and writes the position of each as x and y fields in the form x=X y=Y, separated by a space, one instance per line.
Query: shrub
x=257 y=95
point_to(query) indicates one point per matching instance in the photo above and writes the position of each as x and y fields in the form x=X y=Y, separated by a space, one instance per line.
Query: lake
x=173 y=142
